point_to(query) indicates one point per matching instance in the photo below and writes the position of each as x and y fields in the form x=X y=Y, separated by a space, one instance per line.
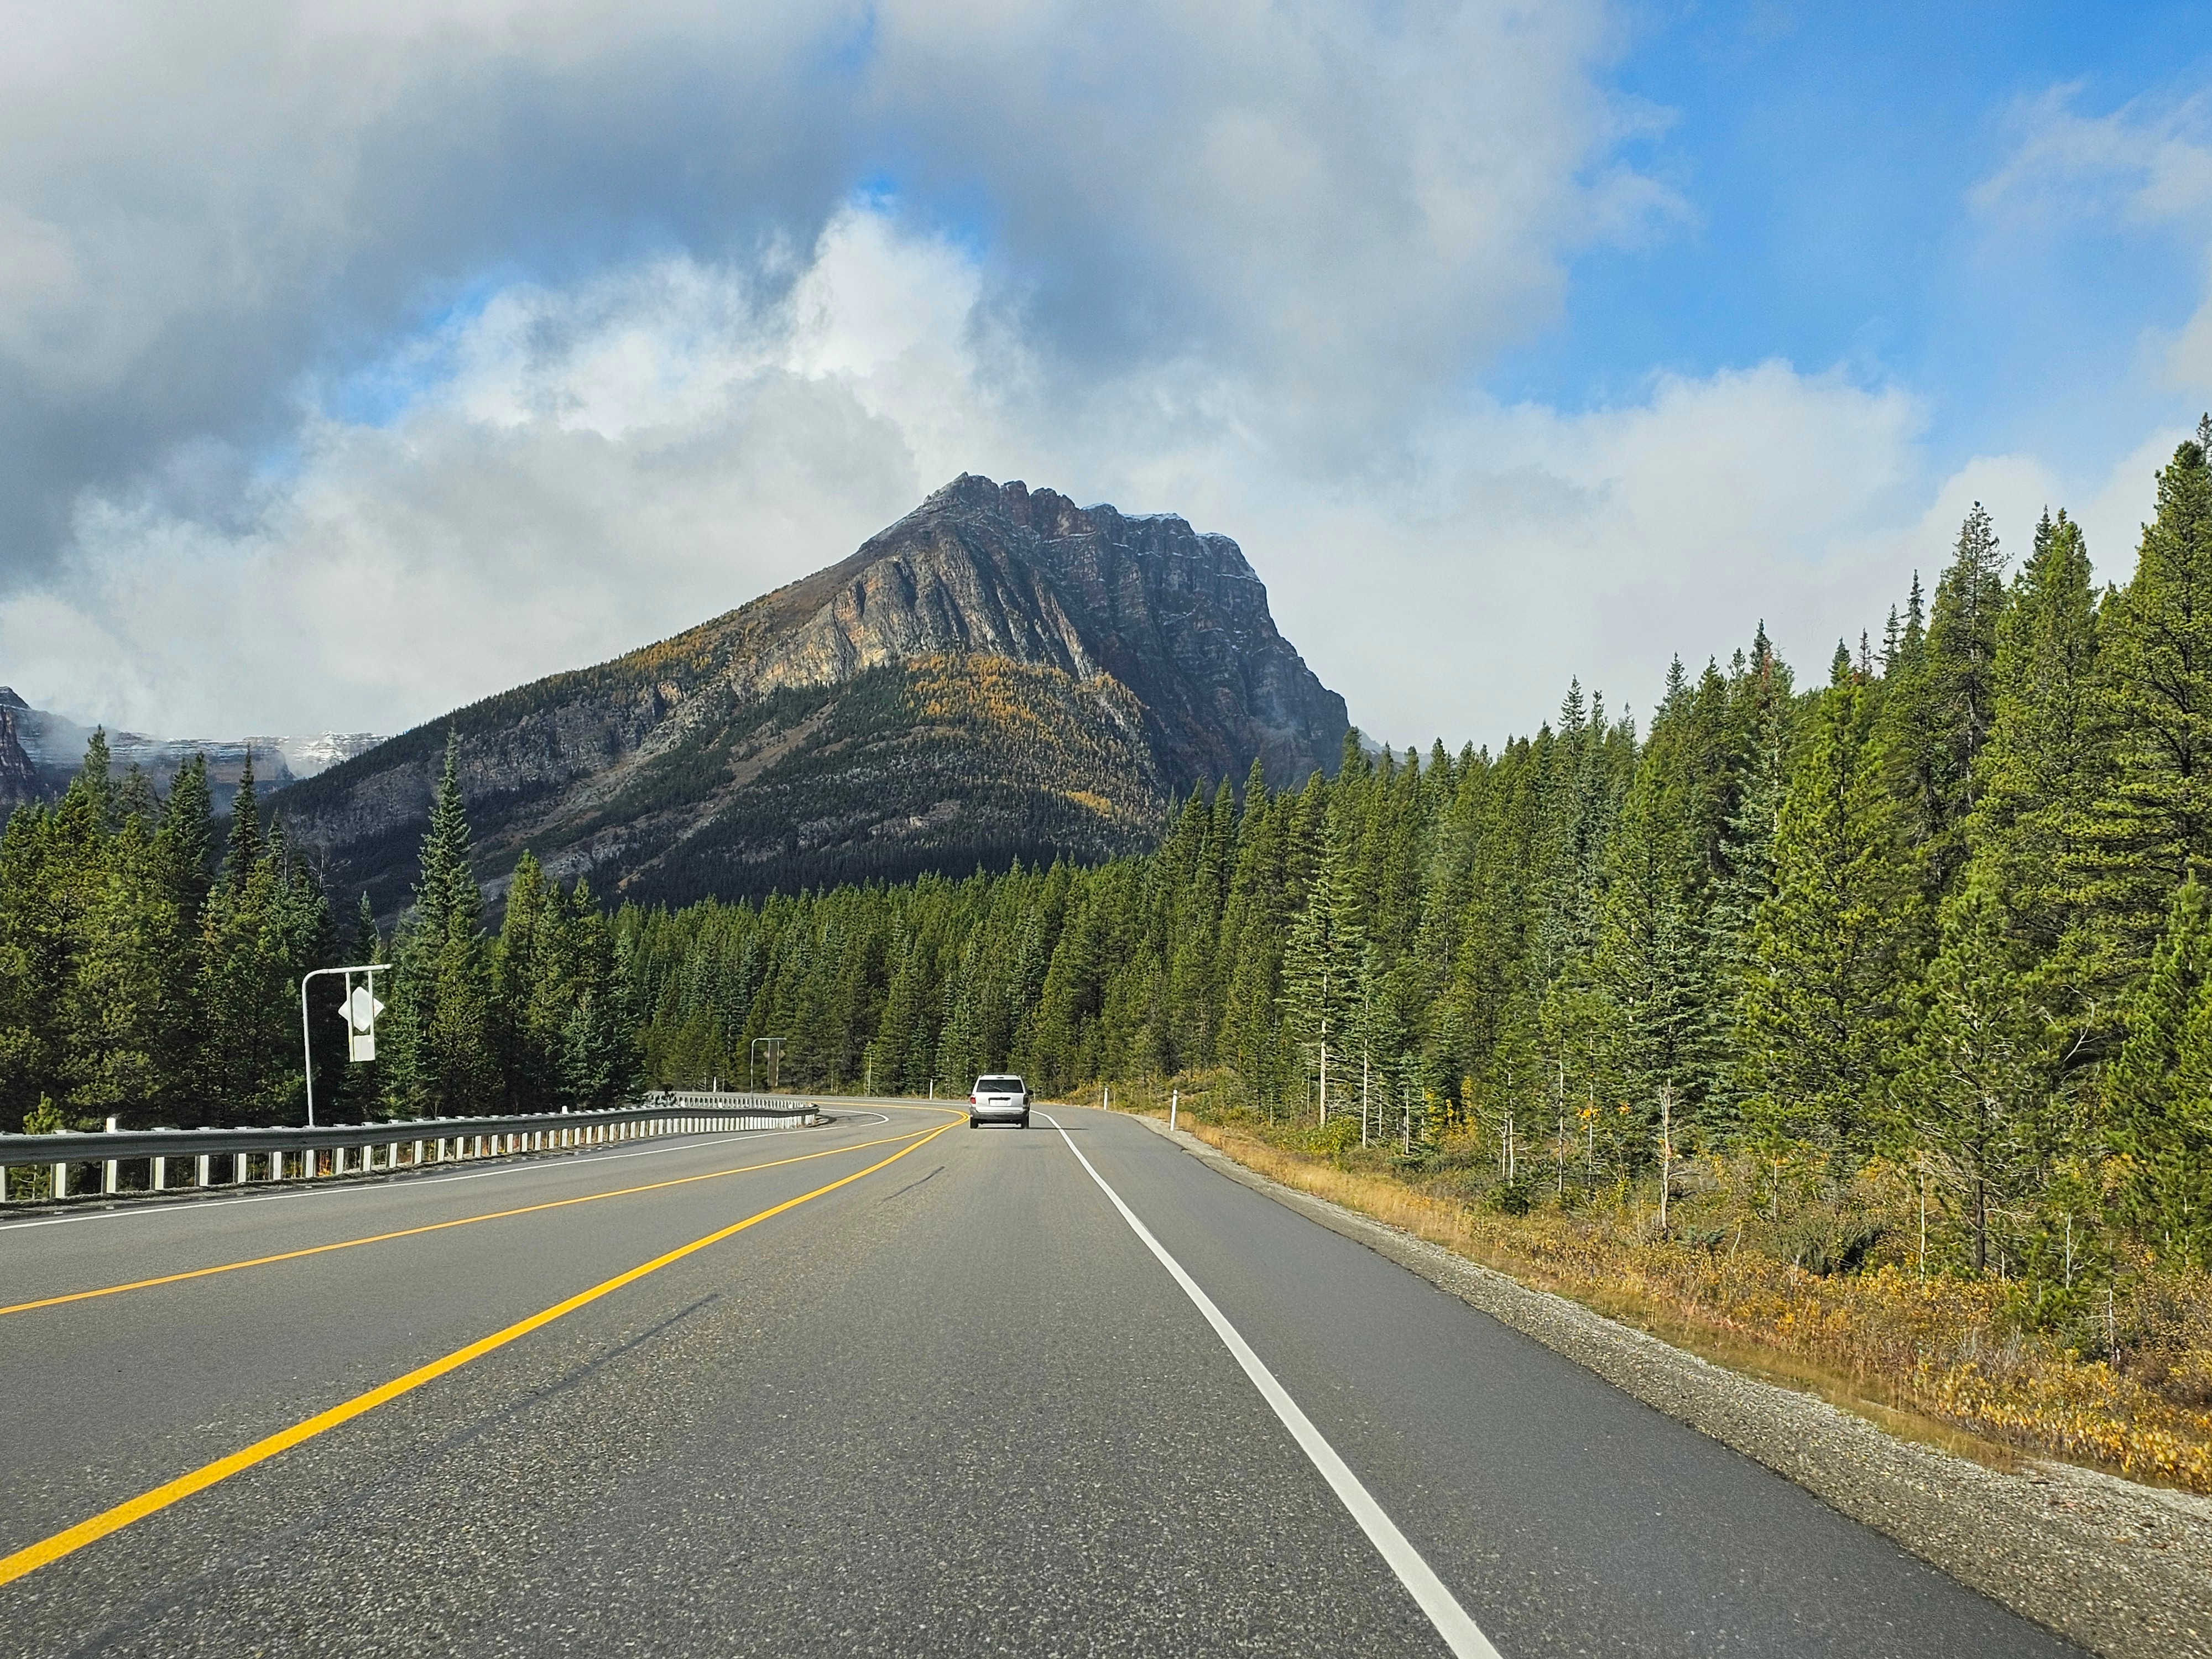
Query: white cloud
x=581 y=470
x=1240 y=262
x=1349 y=206
x=1343 y=208
x=2145 y=166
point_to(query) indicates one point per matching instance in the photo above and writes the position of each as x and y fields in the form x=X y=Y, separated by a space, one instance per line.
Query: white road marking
x=1460 y=1634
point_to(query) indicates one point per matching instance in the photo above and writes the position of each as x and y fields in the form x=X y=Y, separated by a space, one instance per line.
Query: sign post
x=359 y=1006
x=774 y=1061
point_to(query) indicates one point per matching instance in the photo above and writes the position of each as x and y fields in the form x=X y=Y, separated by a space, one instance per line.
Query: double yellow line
x=66 y=1542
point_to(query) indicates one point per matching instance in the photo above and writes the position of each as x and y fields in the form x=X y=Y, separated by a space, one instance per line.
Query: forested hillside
x=1942 y=911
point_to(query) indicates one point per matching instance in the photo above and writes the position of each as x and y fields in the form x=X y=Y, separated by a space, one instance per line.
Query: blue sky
x=1826 y=155
x=356 y=361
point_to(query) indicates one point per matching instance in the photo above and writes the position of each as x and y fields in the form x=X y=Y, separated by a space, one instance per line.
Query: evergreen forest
x=152 y=976
x=1943 y=913
x=1938 y=915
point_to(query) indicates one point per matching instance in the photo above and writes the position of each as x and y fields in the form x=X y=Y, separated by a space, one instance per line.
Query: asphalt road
x=955 y=1404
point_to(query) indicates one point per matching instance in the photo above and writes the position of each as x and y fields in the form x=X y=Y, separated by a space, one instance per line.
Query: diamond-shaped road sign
x=360 y=1010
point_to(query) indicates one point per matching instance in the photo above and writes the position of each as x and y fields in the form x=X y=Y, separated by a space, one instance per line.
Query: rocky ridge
x=1000 y=674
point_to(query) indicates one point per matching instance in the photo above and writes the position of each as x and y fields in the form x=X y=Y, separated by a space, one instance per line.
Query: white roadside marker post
x=360 y=1007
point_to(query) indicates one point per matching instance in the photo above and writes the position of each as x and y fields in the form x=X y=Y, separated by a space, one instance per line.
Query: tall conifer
x=2151 y=827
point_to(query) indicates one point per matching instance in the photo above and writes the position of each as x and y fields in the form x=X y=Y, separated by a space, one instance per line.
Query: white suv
x=998 y=1100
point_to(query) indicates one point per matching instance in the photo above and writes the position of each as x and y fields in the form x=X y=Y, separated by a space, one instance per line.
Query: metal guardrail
x=322 y=1151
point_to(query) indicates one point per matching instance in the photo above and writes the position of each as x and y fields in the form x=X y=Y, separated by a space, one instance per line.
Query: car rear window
x=998 y=1086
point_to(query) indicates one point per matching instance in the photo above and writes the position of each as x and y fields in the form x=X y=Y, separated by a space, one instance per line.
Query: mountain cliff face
x=19 y=775
x=999 y=674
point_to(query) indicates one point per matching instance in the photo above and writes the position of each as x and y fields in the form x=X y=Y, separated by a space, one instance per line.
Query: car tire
x=1025 y=1121
x=974 y=1123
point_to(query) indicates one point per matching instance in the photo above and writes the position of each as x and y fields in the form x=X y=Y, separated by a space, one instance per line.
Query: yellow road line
x=440 y=1226
x=35 y=1556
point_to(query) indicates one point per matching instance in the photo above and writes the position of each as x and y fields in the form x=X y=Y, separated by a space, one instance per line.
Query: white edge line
x=1460 y=1634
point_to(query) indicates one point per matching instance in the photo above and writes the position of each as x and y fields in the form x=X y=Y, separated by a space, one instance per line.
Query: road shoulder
x=2122 y=1569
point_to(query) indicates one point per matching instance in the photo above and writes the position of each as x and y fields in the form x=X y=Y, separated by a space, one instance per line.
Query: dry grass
x=1940 y=1358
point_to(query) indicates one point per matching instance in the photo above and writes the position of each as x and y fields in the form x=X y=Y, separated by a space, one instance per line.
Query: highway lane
x=956 y=1405
x=144 y=1383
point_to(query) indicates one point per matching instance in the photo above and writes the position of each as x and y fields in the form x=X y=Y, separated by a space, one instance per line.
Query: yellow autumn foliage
x=1887 y=1338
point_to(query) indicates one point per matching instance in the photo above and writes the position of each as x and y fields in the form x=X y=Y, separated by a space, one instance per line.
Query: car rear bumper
x=992 y=1114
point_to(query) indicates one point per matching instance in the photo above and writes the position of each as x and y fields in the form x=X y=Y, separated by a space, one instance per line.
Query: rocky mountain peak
x=1001 y=674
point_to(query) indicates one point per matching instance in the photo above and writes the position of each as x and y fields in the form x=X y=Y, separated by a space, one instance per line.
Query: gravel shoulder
x=2122 y=1569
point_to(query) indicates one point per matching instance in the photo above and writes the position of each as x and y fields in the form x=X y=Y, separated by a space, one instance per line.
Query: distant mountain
x=40 y=752
x=1000 y=674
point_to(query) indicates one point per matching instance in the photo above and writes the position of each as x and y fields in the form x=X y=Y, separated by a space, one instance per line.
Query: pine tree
x=1823 y=1011
x=366 y=946
x=2047 y=760
x=1645 y=962
x=243 y=848
x=530 y=1017
x=600 y=1065
x=117 y=1015
x=1961 y=656
x=2151 y=827
x=2158 y=1089
x=249 y=1050
x=93 y=779
x=1988 y=1095
x=1324 y=967
x=1981 y=1082
x=187 y=840
x=441 y=1063
x=1251 y=934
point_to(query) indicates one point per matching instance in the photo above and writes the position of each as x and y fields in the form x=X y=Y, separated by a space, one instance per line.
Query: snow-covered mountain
x=40 y=750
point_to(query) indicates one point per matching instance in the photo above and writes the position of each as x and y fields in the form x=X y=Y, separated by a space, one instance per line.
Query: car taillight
x=971 y=1100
